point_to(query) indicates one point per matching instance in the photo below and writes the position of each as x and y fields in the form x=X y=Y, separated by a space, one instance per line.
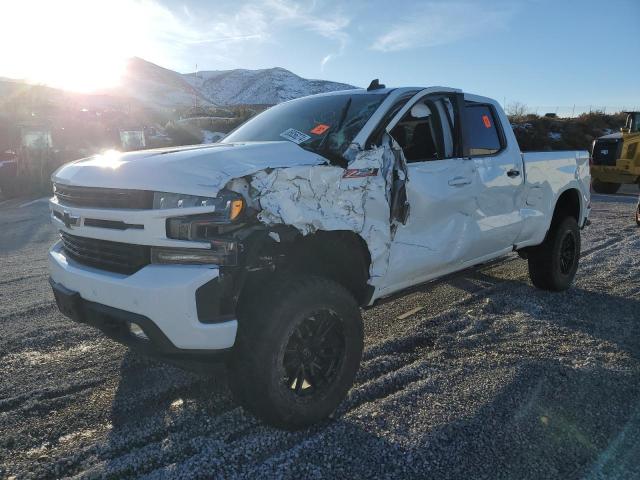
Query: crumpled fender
x=312 y=198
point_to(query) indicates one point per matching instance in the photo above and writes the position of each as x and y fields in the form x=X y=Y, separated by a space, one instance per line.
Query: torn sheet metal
x=312 y=198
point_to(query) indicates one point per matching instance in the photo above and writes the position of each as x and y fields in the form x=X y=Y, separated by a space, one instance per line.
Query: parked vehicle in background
x=261 y=249
x=8 y=173
x=616 y=157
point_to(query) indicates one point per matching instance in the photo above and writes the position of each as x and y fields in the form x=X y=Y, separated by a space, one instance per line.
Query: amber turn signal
x=236 y=208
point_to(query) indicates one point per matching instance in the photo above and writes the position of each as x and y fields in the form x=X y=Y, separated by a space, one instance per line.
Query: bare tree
x=517 y=110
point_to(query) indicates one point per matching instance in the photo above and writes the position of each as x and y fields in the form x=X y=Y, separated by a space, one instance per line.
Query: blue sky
x=539 y=52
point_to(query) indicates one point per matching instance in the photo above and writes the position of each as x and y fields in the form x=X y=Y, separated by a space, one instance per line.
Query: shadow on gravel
x=607 y=317
x=551 y=421
x=157 y=409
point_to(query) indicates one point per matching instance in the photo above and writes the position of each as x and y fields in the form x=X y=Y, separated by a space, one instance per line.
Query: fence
x=570 y=111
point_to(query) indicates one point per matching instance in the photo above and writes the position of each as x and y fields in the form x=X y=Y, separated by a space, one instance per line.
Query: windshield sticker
x=320 y=129
x=487 y=122
x=296 y=136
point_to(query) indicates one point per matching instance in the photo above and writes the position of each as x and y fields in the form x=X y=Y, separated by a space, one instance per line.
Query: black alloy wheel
x=568 y=252
x=314 y=353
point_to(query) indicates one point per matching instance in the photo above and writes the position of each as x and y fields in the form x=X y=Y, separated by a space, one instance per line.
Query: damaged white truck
x=261 y=250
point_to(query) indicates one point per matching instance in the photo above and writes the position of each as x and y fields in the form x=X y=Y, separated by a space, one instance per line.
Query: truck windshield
x=323 y=124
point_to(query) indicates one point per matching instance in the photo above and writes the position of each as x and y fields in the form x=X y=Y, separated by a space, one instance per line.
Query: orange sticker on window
x=319 y=129
x=487 y=122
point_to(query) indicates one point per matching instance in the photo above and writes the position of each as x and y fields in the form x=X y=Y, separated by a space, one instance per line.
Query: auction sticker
x=296 y=136
x=320 y=129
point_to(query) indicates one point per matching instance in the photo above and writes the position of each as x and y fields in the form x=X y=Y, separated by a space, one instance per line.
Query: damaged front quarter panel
x=330 y=198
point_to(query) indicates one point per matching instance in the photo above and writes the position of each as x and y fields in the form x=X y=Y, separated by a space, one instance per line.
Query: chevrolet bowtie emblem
x=68 y=220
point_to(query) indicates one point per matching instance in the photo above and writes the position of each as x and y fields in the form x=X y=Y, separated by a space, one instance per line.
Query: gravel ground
x=475 y=376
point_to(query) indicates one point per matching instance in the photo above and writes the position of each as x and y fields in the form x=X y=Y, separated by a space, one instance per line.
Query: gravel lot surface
x=475 y=376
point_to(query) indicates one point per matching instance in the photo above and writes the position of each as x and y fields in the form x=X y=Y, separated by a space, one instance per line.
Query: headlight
x=231 y=201
x=227 y=207
x=223 y=252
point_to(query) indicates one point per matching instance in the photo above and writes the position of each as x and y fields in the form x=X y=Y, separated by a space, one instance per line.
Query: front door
x=442 y=188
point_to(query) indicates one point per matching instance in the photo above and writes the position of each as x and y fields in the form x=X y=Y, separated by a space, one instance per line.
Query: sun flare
x=79 y=45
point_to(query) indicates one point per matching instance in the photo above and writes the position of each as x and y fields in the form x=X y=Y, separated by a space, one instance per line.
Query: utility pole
x=195 y=96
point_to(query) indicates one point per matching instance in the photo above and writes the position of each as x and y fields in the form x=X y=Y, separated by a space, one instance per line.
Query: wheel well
x=568 y=205
x=341 y=256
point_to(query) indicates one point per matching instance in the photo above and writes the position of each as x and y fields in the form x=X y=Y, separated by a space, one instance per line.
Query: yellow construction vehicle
x=616 y=158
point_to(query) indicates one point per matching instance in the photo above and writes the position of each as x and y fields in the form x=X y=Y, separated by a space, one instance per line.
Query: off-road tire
x=638 y=214
x=548 y=268
x=257 y=372
x=605 y=187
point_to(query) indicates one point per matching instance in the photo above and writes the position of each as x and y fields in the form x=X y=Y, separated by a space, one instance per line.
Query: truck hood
x=197 y=170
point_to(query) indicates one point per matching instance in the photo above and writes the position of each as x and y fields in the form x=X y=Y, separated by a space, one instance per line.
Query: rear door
x=499 y=166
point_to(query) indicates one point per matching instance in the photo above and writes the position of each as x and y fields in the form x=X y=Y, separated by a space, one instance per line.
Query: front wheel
x=297 y=352
x=638 y=214
x=553 y=264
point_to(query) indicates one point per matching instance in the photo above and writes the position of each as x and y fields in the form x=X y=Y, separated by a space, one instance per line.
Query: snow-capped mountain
x=157 y=86
x=267 y=86
x=160 y=88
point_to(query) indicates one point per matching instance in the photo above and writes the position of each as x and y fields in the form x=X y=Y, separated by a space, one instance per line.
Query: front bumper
x=161 y=299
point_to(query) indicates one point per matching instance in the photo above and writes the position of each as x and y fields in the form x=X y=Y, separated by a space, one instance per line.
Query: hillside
x=160 y=87
x=152 y=86
x=265 y=87
x=157 y=86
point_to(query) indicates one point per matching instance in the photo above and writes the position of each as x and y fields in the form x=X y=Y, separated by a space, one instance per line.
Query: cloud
x=311 y=17
x=443 y=23
x=260 y=21
x=81 y=44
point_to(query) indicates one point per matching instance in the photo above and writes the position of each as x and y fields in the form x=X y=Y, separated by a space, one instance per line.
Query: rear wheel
x=553 y=264
x=605 y=187
x=297 y=352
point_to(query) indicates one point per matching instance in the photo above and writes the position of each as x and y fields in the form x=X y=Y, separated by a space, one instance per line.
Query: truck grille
x=106 y=255
x=91 y=197
x=606 y=152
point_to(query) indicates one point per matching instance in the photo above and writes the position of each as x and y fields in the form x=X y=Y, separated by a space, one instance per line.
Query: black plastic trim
x=214 y=300
x=98 y=197
x=111 y=224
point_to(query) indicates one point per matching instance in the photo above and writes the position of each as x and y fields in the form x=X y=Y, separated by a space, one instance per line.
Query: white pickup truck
x=261 y=249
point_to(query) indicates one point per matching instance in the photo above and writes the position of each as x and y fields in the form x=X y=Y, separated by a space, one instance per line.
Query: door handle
x=459 y=181
x=513 y=173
